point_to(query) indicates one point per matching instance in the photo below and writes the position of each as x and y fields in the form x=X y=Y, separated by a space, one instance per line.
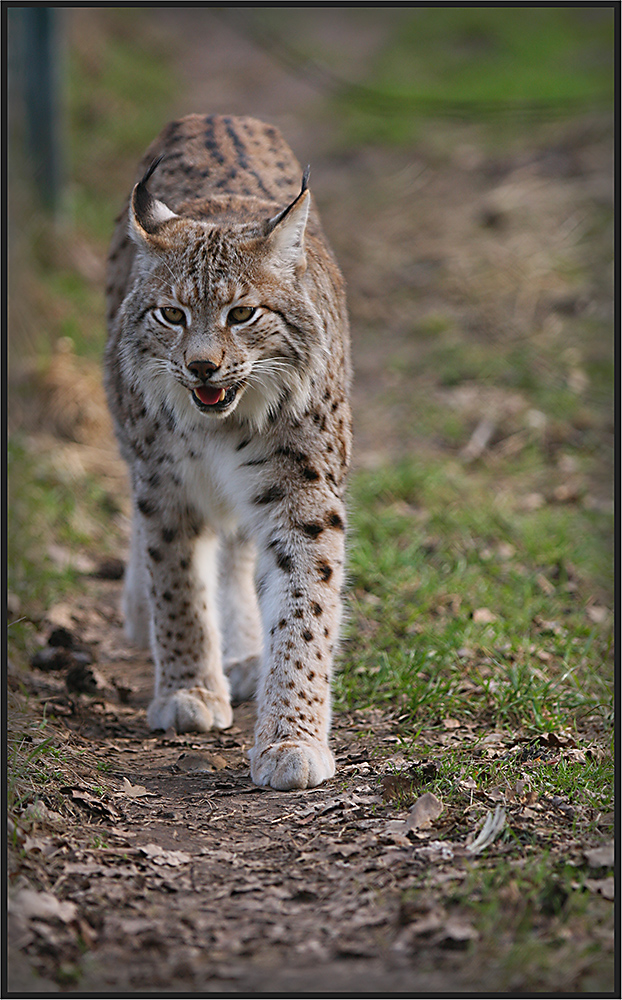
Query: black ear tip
x=151 y=169
x=305 y=179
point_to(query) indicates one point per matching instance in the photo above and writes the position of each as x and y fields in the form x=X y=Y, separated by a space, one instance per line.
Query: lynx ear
x=286 y=231
x=147 y=213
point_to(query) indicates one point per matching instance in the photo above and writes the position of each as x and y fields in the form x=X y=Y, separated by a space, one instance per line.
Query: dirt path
x=186 y=876
x=176 y=873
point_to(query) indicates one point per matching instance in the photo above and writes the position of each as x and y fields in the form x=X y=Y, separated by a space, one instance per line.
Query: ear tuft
x=286 y=231
x=146 y=212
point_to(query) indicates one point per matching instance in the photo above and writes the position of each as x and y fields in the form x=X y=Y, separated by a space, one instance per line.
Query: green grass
x=431 y=547
x=46 y=508
x=507 y=902
x=483 y=54
x=32 y=767
x=491 y=64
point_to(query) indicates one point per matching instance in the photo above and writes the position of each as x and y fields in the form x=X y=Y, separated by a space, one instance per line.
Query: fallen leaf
x=458 y=930
x=90 y=802
x=30 y=904
x=397 y=787
x=468 y=784
x=161 y=857
x=498 y=793
x=493 y=825
x=38 y=813
x=532 y=501
x=604 y=886
x=196 y=761
x=549 y=626
x=597 y=614
x=397 y=829
x=426 y=924
x=45 y=845
x=484 y=616
x=601 y=857
x=479 y=440
x=545 y=585
x=132 y=791
x=436 y=850
x=451 y=723
x=426 y=809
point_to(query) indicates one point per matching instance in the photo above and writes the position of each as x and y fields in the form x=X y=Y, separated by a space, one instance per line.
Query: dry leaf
x=426 y=809
x=436 y=850
x=484 y=616
x=597 y=614
x=397 y=830
x=498 y=793
x=198 y=761
x=605 y=886
x=451 y=723
x=493 y=825
x=29 y=905
x=601 y=857
x=45 y=845
x=38 y=812
x=459 y=930
x=161 y=857
x=132 y=791
x=468 y=783
x=545 y=585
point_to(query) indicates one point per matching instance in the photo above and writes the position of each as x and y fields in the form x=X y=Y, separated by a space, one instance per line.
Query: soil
x=166 y=869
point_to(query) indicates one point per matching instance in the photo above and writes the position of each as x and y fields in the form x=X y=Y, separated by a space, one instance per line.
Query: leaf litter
x=170 y=846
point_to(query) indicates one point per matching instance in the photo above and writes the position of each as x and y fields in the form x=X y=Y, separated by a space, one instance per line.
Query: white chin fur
x=253 y=404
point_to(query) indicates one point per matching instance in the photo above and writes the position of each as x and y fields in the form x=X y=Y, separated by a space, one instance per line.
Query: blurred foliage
x=511 y=55
x=119 y=93
x=502 y=65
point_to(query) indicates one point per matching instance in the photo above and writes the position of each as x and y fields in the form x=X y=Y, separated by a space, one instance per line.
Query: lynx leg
x=135 y=601
x=301 y=609
x=191 y=691
x=240 y=620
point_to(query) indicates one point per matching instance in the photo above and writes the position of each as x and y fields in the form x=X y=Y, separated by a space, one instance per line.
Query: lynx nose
x=203 y=369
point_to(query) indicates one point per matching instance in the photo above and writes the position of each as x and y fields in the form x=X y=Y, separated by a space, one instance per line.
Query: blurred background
x=462 y=161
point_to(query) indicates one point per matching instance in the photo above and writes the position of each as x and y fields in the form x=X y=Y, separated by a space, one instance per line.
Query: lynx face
x=227 y=371
x=212 y=316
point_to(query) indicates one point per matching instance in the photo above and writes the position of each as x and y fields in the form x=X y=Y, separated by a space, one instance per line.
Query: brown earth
x=178 y=874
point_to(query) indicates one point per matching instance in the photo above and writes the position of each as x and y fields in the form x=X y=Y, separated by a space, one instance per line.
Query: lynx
x=227 y=371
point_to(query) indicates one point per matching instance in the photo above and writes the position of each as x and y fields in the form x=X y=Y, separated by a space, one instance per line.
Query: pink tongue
x=208 y=395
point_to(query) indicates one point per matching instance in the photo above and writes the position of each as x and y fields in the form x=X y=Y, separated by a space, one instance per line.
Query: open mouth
x=210 y=398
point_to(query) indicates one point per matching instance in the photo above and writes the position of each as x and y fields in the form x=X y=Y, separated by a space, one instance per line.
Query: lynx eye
x=171 y=314
x=240 y=314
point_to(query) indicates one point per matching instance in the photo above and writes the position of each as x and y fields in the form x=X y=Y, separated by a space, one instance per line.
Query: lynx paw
x=291 y=764
x=190 y=710
x=243 y=678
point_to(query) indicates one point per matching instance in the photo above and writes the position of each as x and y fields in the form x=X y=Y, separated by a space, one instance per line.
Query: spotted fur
x=227 y=372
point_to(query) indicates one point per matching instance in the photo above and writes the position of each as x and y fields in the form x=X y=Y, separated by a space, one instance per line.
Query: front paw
x=190 y=710
x=291 y=764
